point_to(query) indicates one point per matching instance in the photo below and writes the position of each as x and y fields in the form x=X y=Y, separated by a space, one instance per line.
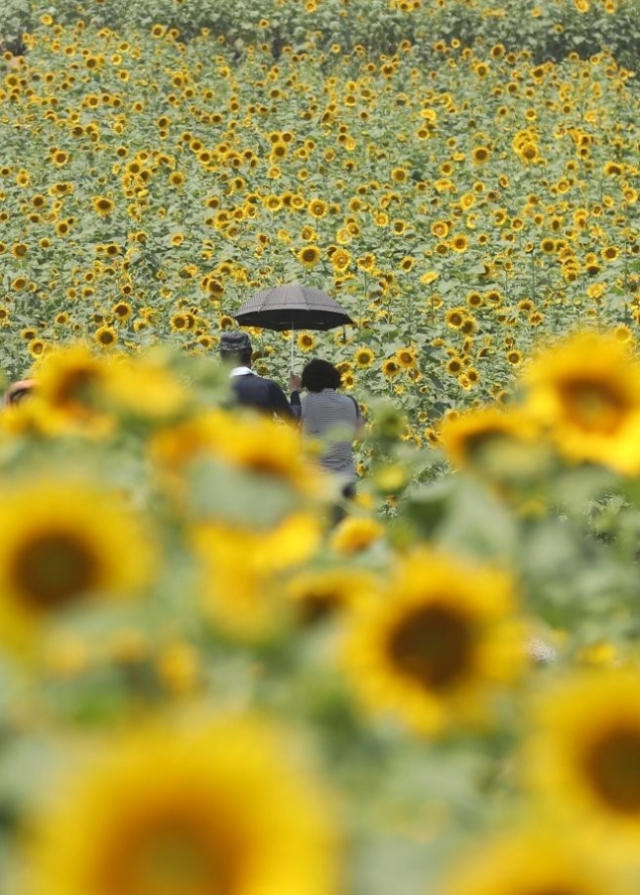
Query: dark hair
x=319 y=374
x=17 y=391
x=19 y=394
x=235 y=347
x=239 y=358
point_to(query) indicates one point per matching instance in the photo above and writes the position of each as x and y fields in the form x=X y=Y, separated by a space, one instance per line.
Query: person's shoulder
x=346 y=400
x=350 y=401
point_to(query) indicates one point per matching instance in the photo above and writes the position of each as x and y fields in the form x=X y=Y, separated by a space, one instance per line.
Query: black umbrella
x=292 y=307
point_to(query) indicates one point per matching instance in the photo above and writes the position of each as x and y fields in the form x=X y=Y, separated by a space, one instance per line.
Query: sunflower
x=217 y=807
x=122 y=310
x=71 y=386
x=158 y=393
x=480 y=155
x=440 y=229
x=623 y=334
x=391 y=368
x=363 y=357
x=321 y=593
x=585 y=752
x=105 y=336
x=455 y=317
x=367 y=262
x=441 y=636
x=19 y=250
x=531 y=861
x=469 y=325
x=262 y=447
x=306 y=342
x=355 y=534
x=239 y=566
x=586 y=389
x=612 y=169
x=340 y=260
x=610 y=253
x=494 y=442
x=179 y=323
x=36 y=347
x=103 y=206
x=309 y=256
x=399 y=175
x=528 y=152
x=474 y=300
x=318 y=208
x=459 y=243
x=59 y=158
x=63 y=542
x=406 y=358
x=256 y=445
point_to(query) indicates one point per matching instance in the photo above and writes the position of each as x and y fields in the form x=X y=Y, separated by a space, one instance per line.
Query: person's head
x=17 y=391
x=235 y=348
x=319 y=374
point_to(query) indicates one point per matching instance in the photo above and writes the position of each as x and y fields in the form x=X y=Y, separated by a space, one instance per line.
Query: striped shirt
x=334 y=420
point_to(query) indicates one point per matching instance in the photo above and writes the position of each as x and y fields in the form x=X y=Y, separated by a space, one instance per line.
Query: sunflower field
x=207 y=687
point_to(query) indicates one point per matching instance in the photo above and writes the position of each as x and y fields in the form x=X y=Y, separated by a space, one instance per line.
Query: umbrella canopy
x=292 y=307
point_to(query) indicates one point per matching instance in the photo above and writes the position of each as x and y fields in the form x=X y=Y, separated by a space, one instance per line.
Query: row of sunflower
x=552 y=29
x=207 y=687
x=147 y=187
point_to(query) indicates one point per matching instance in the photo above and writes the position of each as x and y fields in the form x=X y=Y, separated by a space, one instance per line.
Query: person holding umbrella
x=332 y=419
x=249 y=389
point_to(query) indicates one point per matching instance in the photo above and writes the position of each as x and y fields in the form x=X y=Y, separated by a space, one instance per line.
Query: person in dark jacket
x=249 y=389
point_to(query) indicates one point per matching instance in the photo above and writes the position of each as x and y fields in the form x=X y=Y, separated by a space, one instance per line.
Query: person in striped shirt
x=331 y=418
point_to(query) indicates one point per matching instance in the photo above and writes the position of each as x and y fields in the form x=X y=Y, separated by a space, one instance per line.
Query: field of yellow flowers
x=206 y=687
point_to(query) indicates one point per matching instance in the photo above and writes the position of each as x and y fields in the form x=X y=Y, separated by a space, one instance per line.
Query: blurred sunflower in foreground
x=239 y=568
x=194 y=811
x=584 y=757
x=533 y=862
x=440 y=638
x=586 y=390
x=63 y=543
x=496 y=442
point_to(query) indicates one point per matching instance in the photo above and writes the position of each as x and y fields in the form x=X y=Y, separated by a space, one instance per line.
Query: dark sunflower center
x=315 y=607
x=432 y=645
x=613 y=769
x=265 y=464
x=594 y=406
x=53 y=569
x=480 y=443
x=552 y=890
x=76 y=387
x=176 y=859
